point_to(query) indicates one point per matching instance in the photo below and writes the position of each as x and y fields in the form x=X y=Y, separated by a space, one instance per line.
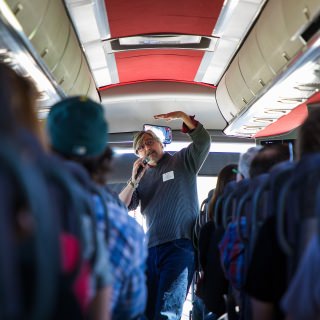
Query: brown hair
x=227 y=174
x=20 y=95
x=97 y=167
x=309 y=134
x=267 y=157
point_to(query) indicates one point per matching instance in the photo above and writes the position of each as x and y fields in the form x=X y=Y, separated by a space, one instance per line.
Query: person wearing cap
x=78 y=131
x=166 y=189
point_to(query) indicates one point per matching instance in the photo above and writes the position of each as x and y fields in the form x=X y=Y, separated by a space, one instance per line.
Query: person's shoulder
x=119 y=213
x=112 y=197
x=135 y=228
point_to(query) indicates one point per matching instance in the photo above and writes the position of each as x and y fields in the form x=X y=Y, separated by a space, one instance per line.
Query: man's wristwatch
x=133 y=184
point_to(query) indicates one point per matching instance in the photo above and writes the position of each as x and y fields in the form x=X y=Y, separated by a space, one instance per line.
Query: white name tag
x=168 y=176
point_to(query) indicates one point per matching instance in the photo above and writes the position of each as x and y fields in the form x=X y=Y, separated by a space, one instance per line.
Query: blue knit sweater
x=167 y=192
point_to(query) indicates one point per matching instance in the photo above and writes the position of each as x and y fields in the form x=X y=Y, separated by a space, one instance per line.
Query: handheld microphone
x=144 y=161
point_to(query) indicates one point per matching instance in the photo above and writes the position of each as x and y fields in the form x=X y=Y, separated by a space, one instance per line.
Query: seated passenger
x=302 y=299
x=68 y=284
x=267 y=272
x=78 y=132
x=213 y=284
x=268 y=157
x=245 y=162
x=232 y=248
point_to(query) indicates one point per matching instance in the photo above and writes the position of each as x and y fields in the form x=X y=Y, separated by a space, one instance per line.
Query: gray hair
x=246 y=159
x=139 y=136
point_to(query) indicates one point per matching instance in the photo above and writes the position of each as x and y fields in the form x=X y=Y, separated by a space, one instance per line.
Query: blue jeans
x=170 y=268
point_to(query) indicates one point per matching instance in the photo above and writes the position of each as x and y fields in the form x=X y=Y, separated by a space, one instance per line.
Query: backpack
x=29 y=239
x=46 y=275
x=78 y=189
x=232 y=253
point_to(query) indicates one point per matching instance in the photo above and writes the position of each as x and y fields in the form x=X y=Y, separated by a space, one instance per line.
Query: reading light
x=225 y=147
x=160 y=39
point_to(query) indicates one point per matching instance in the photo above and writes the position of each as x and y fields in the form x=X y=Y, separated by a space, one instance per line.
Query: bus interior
x=248 y=70
x=245 y=68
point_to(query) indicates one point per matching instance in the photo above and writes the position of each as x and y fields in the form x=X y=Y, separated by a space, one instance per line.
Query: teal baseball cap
x=77 y=127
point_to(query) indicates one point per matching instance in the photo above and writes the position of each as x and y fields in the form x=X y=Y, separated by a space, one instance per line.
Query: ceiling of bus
x=225 y=61
x=166 y=16
x=138 y=83
x=128 y=18
x=179 y=65
x=149 y=98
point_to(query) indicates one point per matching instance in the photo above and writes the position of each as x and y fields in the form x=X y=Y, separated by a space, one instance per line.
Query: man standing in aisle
x=166 y=187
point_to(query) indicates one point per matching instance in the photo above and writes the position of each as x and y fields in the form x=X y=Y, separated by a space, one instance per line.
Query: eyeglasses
x=148 y=143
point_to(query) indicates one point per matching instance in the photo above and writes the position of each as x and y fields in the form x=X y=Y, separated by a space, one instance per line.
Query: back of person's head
x=18 y=98
x=77 y=127
x=309 y=134
x=78 y=131
x=267 y=157
x=227 y=174
x=245 y=162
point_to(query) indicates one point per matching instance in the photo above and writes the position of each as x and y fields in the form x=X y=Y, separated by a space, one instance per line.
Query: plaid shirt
x=128 y=252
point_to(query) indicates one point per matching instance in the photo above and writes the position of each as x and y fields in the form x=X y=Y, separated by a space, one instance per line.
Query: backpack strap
x=30 y=187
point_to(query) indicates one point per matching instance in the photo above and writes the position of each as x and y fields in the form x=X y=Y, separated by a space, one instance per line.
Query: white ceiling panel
x=129 y=107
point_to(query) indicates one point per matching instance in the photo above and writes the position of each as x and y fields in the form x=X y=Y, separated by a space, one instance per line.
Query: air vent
x=292 y=100
x=277 y=111
x=308 y=87
x=311 y=30
x=263 y=120
x=163 y=41
x=250 y=129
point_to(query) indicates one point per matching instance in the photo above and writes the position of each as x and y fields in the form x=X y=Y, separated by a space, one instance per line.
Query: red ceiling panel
x=290 y=121
x=138 y=65
x=162 y=16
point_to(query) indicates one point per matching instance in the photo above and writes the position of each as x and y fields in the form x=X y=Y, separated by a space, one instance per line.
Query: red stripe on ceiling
x=158 y=64
x=290 y=121
x=162 y=16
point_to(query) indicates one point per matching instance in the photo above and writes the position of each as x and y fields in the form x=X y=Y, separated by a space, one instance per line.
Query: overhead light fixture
x=160 y=40
x=223 y=147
